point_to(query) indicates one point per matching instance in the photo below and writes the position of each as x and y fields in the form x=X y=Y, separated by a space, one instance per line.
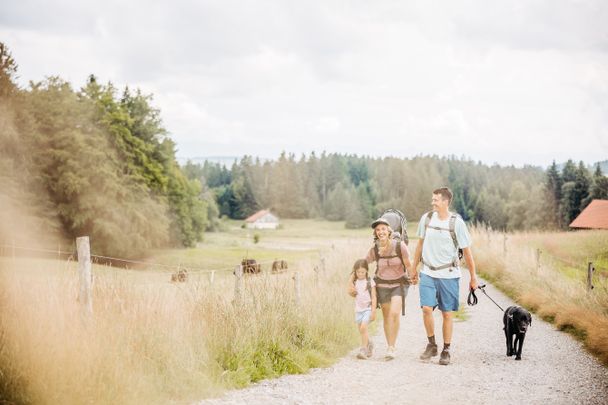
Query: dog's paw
x=517 y=357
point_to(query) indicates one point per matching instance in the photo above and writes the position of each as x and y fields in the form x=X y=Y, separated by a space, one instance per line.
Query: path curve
x=555 y=368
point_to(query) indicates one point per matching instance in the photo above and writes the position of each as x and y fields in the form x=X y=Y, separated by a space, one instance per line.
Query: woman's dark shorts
x=385 y=294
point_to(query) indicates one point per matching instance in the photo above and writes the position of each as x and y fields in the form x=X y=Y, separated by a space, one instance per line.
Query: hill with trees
x=97 y=161
x=94 y=161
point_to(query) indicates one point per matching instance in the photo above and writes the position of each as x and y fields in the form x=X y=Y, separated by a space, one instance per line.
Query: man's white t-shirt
x=438 y=248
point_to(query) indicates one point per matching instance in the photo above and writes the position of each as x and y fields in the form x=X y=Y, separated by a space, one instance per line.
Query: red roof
x=595 y=216
x=257 y=216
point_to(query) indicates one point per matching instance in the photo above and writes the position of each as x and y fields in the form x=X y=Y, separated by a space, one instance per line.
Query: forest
x=357 y=189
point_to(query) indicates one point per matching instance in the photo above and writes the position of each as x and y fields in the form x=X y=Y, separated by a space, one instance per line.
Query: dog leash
x=472 y=298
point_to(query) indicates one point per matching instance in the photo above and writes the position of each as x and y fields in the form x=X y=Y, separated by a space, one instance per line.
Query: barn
x=594 y=216
x=263 y=219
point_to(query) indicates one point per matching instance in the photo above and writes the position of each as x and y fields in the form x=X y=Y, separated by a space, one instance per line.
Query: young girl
x=365 y=304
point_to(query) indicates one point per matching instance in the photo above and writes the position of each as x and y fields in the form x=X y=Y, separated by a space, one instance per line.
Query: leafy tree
x=242 y=201
x=148 y=157
x=360 y=208
x=8 y=73
x=80 y=170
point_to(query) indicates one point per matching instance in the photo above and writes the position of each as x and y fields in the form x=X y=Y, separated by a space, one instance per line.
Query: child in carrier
x=365 y=305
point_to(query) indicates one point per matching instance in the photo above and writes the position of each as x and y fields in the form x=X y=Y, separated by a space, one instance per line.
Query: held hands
x=414 y=277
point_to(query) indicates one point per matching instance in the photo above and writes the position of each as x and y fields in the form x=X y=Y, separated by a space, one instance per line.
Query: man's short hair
x=445 y=193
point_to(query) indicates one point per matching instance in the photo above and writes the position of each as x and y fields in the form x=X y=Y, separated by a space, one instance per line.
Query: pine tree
x=553 y=196
x=582 y=186
x=599 y=187
x=569 y=172
x=569 y=206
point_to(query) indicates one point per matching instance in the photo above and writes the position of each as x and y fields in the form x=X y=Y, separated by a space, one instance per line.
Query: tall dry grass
x=551 y=293
x=161 y=342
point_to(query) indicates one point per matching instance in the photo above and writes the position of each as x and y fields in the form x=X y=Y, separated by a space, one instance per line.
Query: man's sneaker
x=390 y=353
x=430 y=351
x=444 y=359
x=362 y=353
x=370 y=348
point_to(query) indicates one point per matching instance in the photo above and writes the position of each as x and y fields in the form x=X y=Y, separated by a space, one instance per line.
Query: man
x=442 y=233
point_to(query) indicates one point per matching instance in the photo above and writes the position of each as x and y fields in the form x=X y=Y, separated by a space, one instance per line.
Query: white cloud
x=516 y=82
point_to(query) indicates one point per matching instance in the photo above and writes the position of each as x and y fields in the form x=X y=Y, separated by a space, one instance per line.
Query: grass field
x=152 y=341
x=557 y=290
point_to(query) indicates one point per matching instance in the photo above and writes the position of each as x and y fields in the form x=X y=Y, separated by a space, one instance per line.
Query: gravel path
x=555 y=369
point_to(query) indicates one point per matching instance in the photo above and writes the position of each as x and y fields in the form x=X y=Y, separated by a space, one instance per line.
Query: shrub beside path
x=555 y=368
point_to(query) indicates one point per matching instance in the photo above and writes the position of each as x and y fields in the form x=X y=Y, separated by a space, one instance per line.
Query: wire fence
x=588 y=266
x=85 y=272
x=11 y=250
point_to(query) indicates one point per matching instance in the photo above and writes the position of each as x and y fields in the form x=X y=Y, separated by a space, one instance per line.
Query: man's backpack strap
x=427 y=221
x=453 y=219
x=453 y=230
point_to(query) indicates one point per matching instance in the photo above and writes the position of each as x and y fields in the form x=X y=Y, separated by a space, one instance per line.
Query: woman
x=392 y=259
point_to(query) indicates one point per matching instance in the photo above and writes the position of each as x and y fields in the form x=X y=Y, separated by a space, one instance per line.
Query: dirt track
x=555 y=369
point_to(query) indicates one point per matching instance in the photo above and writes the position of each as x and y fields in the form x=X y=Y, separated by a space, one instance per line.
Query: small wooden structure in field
x=595 y=216
x=263 y=219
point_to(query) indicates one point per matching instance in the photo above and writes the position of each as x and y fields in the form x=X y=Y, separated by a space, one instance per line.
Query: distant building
x=595 y=216
x=262 y=220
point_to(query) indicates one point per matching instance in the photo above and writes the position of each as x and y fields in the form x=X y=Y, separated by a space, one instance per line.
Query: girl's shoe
x=362 y=354
x=370 y=348
x=390 y=353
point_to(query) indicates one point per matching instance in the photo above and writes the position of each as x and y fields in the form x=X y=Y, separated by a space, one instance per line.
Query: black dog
x=516 y=321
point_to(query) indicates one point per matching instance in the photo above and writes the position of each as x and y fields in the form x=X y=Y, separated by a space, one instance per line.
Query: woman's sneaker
x=370 y=348
x=362 y=353
x=430 y=351
x=390 y=353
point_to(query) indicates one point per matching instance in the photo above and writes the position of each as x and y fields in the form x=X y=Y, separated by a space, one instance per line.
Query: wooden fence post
x=84 y=275
x=238 y=283
x=212 y=277
x=296 y=283
x=590 y=270
x=538 y=261
x=323 y=265
x=316 y=270
x=504 y=244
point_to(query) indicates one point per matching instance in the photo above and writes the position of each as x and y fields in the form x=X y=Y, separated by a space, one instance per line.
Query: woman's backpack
x=398 y=224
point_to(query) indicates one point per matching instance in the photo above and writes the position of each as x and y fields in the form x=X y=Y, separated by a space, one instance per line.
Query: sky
x=513 y=82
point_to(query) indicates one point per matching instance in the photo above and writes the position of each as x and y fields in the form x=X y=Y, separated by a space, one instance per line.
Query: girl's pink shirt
x=363 y=299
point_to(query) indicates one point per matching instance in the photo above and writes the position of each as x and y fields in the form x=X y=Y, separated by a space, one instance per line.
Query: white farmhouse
x=263 y=219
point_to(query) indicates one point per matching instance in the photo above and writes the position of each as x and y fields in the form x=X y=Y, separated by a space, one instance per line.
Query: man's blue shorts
x=439 y=291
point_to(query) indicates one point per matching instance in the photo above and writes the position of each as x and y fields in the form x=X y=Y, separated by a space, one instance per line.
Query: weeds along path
x=554 y=369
